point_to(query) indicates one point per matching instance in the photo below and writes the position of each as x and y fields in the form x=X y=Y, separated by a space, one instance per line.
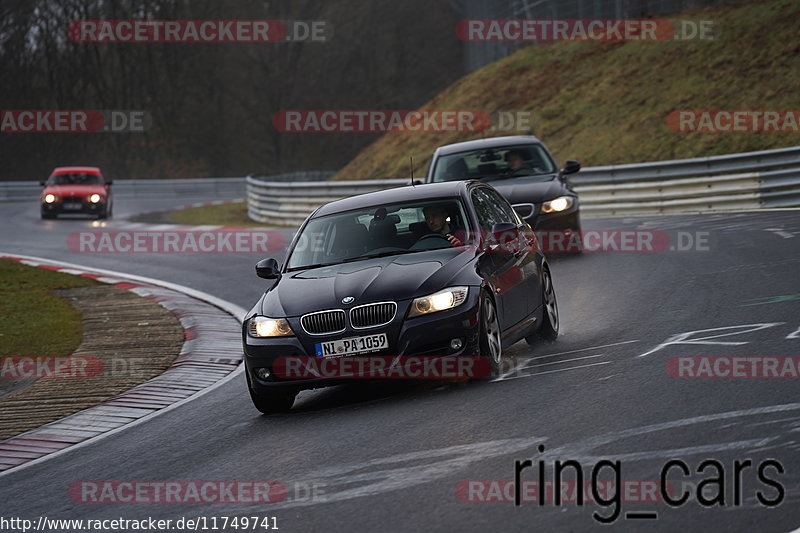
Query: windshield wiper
x=315 y=265
x=351 y=259
x=495 y=177
x=512 y=176
x=381 y=254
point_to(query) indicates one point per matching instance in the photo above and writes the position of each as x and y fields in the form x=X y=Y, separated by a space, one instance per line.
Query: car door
x=500 y=263
x=524 y=250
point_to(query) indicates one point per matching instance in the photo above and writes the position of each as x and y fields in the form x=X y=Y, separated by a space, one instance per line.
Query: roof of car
x=397 y=194
x=490 y=142
x=84 y=170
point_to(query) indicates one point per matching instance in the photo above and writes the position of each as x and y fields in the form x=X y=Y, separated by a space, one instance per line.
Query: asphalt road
x=392 y=457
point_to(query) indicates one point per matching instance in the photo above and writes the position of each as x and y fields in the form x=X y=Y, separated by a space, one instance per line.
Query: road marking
x=681 y=338
x=388 y=474
x=523 y=367
x=404 y=470
x=583 y=349
x=511 y=372
x=780 y=232
x=773 y=299
x=501 y=378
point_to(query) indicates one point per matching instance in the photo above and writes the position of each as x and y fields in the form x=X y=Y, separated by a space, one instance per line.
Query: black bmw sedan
x=444 y=270
x=523 y=170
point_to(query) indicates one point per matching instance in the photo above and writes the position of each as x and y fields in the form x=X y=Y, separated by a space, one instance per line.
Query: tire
x=102 y=215
x=548 y=331
x=48 y=216
x=271 y=402
x=490 y=340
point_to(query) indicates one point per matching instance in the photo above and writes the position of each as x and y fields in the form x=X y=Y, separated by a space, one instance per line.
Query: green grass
x=34 y=321
x=607 y=103
x=234 y=214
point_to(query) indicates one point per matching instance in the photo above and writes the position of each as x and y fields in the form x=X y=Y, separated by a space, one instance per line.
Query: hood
x=529 y=189
x=74 y=190
x=393 y=278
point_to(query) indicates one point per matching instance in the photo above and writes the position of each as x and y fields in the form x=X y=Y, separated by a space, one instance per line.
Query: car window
x=486 y=209
x=488 y=162
x=74 y=179
x=501 y=204
x=386 y=229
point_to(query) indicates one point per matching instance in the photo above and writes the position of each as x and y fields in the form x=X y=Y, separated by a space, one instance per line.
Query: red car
x=76 y=190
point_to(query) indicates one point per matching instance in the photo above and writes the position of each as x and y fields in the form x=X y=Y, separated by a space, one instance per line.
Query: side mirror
x=524 y=210
x=571 y=167
x=109 y=182
x=41 y=183
x=268 y=269
x=503 y=233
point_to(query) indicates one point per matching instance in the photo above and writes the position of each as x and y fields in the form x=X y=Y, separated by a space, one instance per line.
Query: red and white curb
x=210 y=356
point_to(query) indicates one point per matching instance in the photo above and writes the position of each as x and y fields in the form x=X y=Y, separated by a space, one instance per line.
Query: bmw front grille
x=370 y=315
x=323 y=322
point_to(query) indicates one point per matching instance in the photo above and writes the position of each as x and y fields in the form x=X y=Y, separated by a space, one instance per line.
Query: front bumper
x=59 y=208
x=427 y=335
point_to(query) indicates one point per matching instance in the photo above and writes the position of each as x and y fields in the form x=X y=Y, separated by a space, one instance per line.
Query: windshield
x=74 y=179
x=495 y=163
x=376 y=231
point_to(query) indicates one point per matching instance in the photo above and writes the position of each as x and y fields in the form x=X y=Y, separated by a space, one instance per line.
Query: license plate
x=72 y=207
x=353 y=345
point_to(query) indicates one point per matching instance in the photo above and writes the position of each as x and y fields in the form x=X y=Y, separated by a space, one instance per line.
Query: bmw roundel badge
x=348 y=300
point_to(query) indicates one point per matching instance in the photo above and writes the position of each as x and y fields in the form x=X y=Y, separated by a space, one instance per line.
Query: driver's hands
x=455 y=241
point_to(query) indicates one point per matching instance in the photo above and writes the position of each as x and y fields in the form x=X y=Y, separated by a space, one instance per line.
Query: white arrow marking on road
x=681 y=338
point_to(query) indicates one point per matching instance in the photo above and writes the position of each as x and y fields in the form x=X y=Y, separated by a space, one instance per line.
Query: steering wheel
x=429 y=237
x=525 y=168
x=432 y=236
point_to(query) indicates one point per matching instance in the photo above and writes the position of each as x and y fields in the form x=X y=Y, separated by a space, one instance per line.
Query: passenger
x=457 y=170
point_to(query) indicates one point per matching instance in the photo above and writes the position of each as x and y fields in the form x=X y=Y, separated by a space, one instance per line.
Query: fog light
x=262 y=373
x=456 y=344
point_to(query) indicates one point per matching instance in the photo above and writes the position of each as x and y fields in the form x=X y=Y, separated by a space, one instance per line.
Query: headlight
x=261 y=326
x=95 y=198
x=438 y=301
x=49 y=198
x=562 y=203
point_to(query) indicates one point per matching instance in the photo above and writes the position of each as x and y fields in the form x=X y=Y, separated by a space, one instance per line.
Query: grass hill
x=607 y=103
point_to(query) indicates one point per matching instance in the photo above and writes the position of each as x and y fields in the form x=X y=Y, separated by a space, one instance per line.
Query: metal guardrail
x=683 y=168
x=302 y=175
x=30 y=190
x=750 y=180
x=288 y=204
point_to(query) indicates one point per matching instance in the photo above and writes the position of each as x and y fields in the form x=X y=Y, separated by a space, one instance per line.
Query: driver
x=436 y=219
x=516 y=161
